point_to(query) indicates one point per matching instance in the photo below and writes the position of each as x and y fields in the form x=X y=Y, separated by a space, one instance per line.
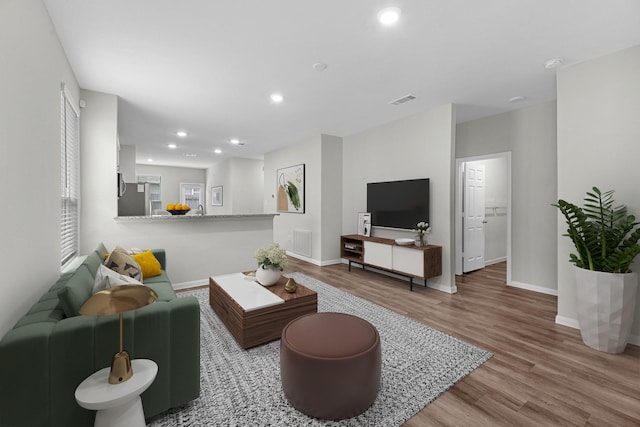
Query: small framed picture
x=364 y=224
x=216 y=196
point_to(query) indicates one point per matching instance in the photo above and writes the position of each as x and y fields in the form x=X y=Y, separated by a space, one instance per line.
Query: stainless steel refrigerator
x=135 y=200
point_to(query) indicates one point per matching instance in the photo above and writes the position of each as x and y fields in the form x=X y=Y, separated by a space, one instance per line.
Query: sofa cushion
x=119 y=260
x=164 y=291
x=76 y=291
x=149 y=264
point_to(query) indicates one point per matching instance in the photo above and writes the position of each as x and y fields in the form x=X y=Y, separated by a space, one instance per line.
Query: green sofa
x=50 y=351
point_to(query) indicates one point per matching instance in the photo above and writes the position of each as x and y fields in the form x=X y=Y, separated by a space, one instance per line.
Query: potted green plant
x=606 y=240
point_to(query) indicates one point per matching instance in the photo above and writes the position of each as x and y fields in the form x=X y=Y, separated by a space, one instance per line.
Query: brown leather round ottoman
x=330 y=364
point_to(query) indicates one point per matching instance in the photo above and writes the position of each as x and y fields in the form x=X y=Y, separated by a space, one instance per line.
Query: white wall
x=98 y=135
x=247 y=186
x=598 y=145
x=127 y=163
x=242 y=182
x=530 y=135
x=219 y=175
x=32 y=66
x=170 y=179
x=420 y=146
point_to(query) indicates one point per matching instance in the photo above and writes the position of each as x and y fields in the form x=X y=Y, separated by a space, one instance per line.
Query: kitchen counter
x=192 y=217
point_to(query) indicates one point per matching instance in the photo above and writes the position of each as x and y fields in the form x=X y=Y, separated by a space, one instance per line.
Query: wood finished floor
x=541 y=374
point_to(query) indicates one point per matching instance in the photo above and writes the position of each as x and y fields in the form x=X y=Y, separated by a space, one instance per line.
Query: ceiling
x=209 y=66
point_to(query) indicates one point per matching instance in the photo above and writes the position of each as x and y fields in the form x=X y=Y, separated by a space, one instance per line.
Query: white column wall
x=308 y=153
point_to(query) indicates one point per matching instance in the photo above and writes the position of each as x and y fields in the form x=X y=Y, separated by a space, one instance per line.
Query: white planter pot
x=605 y=304
x=268 y=276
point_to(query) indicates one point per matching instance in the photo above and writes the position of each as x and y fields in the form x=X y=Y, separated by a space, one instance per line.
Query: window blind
x=70 y=178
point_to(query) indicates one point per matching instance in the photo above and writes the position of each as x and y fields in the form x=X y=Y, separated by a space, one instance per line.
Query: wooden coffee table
x=255 y=314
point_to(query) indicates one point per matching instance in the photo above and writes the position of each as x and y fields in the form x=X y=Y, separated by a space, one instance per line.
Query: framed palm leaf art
x=290 y=189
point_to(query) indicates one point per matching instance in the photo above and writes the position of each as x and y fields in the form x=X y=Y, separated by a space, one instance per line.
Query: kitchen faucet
x=201 y=209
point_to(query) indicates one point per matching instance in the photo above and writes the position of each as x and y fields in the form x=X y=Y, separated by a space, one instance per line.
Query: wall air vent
x=403 y=100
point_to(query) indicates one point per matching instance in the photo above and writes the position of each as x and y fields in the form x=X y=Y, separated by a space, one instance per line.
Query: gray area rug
x=242 y=387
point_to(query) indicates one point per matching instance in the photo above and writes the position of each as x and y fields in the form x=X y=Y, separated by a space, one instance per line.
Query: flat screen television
x=398 y=204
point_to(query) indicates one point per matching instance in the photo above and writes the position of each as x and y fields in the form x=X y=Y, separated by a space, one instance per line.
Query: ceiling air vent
x=403 y=100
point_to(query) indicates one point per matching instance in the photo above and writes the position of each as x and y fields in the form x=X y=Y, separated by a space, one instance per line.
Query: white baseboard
x=533 y=288
x=313 y=261
x=495 y=261
x=567 y=321
x=192 y=284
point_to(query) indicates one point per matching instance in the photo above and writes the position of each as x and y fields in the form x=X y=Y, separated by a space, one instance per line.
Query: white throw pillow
x=107 y=278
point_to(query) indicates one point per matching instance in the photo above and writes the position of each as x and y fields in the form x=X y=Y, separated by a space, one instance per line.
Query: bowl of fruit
x=177 y=208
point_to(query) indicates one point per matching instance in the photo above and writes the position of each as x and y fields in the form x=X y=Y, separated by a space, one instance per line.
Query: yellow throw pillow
x=149 y=264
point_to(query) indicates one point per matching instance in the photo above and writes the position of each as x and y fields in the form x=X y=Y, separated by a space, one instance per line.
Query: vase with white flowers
x=271 y=261
x=422 y=228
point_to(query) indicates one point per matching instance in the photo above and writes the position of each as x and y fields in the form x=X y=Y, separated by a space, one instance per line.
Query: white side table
x=118 y=405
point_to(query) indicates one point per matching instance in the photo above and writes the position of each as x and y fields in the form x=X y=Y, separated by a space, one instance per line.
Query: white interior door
x=473 y=217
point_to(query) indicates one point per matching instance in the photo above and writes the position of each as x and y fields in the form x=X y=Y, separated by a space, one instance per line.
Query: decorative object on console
x=271 y=262
x=422 y=228
x=117 y=300
x=404 y=242
x=291 y=189
x=216 y=196
x=606 y=239
x=364 y=224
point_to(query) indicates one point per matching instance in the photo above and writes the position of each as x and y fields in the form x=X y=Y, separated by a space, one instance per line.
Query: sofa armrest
x=24 y=359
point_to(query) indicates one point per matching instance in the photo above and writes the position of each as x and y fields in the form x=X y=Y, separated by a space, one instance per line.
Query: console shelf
x=413 y=262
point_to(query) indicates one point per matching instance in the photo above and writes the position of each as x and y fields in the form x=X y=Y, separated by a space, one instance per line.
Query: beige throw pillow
x=123 y=263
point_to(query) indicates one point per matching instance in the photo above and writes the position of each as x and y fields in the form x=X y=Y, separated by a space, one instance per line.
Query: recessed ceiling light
x=149 y=160
x=553 y=63
x=181 y=133
x=217 y=151
x=389 y=15
x=276 y=97
x=235 y=141
x=517 y=98
x=172 y=146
